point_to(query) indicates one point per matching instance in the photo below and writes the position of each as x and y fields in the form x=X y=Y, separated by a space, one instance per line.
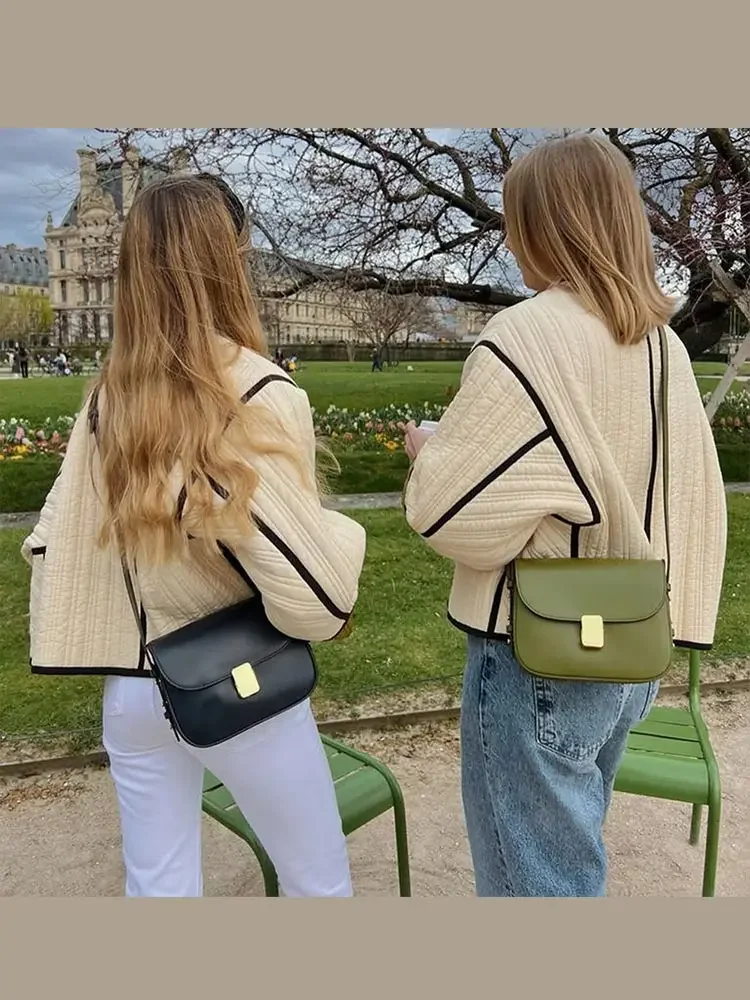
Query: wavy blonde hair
x=183 y=310
x=574 y=217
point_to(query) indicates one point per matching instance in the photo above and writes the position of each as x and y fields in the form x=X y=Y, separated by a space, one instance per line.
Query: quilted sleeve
x=304 y=559
x=698 y=510
x=494 y=468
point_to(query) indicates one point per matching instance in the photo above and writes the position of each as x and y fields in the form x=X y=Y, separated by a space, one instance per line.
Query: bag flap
x=206 y=651
x=618 y=590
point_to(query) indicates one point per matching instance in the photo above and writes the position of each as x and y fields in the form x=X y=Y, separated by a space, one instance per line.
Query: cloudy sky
x=38 y=168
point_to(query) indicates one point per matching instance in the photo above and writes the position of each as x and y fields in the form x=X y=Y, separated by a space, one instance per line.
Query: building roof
x=109 y=173
x=23 y=266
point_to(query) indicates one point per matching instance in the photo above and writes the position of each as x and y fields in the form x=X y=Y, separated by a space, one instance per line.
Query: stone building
x=23 y=269
x=82 y=250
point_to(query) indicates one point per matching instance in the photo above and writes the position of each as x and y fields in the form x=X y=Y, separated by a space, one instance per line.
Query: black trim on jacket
x=266 y=380
x=484 y=483
x=90 y=671
x=531 y=392
x=293 y=559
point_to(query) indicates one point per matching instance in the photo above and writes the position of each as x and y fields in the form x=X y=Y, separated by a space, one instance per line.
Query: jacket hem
x=476 y=632
x=91 y=671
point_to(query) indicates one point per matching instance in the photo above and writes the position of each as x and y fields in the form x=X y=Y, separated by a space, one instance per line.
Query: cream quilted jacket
x=551 y=449
x=305 y=560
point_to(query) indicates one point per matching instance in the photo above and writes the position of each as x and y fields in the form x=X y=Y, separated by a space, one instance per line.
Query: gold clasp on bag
x=592 y=632
x=245 y=680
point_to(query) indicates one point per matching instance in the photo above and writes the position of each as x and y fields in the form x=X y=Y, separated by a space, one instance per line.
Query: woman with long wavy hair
x=192 y=436
x=552 y=449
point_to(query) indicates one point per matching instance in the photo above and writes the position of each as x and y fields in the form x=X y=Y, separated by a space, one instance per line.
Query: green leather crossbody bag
x=597 y=619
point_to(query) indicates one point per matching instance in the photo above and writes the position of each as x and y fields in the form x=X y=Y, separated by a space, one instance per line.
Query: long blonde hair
x=183 y=310
x=574 y=217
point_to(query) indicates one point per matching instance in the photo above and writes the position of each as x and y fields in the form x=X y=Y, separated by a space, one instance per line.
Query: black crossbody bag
x=223 y=674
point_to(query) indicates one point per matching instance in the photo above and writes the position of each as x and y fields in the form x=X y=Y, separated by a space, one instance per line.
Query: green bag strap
x=664 y=350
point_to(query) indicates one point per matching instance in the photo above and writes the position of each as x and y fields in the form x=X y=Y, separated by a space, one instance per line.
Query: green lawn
x=716 y=368
x=707 y=385
x=353 y=386
x=401 y=638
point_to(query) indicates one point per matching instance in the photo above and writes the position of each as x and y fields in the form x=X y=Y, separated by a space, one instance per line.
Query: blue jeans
x=538 y=761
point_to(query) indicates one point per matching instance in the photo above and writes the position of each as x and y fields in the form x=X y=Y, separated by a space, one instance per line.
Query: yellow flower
x=391 y=445
x=16 y=458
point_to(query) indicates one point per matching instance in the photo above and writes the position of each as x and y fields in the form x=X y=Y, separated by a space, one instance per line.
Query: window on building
x=64 y=291
x=63 y=264
x=98 y=290
x=64 y=326
x=97 y=327
x=84 y=326
x=85 y=290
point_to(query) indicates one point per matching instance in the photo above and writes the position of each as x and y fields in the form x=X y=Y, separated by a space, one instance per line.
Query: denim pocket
x=576 y=718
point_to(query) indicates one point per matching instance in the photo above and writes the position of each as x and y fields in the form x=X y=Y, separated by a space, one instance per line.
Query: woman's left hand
x=415 y=439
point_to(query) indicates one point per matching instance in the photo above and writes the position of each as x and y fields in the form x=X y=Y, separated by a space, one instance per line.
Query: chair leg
x=712 y=849
x=695 y=824
x=399 y=818
x=402 y=842
x=270 y=878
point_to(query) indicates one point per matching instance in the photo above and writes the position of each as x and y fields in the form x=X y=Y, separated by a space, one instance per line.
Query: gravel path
x=59 y=833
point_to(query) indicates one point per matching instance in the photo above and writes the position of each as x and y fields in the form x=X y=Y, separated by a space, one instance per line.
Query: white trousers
x=276 y=771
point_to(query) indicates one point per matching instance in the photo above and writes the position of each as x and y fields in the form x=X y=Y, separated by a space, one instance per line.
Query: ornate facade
x=23 y=269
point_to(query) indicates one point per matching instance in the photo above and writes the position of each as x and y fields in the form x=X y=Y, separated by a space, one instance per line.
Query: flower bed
x=18 y=439
x=372 y=430
x=346 y=430
x=731 y=424
x=368 y=443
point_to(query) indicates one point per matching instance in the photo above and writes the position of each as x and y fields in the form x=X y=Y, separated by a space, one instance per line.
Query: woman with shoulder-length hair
x=552 y=450
x=194 y=445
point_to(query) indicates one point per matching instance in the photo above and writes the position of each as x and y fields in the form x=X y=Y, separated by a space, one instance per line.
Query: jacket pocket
x=574 y=719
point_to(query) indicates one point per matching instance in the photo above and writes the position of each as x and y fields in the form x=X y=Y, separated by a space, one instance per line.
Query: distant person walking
x=23 y=360
x=377 y=364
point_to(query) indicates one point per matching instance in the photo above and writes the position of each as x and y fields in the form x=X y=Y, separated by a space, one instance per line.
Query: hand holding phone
x=417 y=437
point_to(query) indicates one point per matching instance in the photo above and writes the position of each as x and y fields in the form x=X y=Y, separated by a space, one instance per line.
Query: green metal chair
x=669 y=756
x=365 y=788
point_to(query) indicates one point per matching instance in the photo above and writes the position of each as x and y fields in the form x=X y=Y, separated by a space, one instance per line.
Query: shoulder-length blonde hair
x=183 y=309
x=574 y=217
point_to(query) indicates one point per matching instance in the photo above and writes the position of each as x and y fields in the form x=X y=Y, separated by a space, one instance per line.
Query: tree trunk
x=741 y=299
